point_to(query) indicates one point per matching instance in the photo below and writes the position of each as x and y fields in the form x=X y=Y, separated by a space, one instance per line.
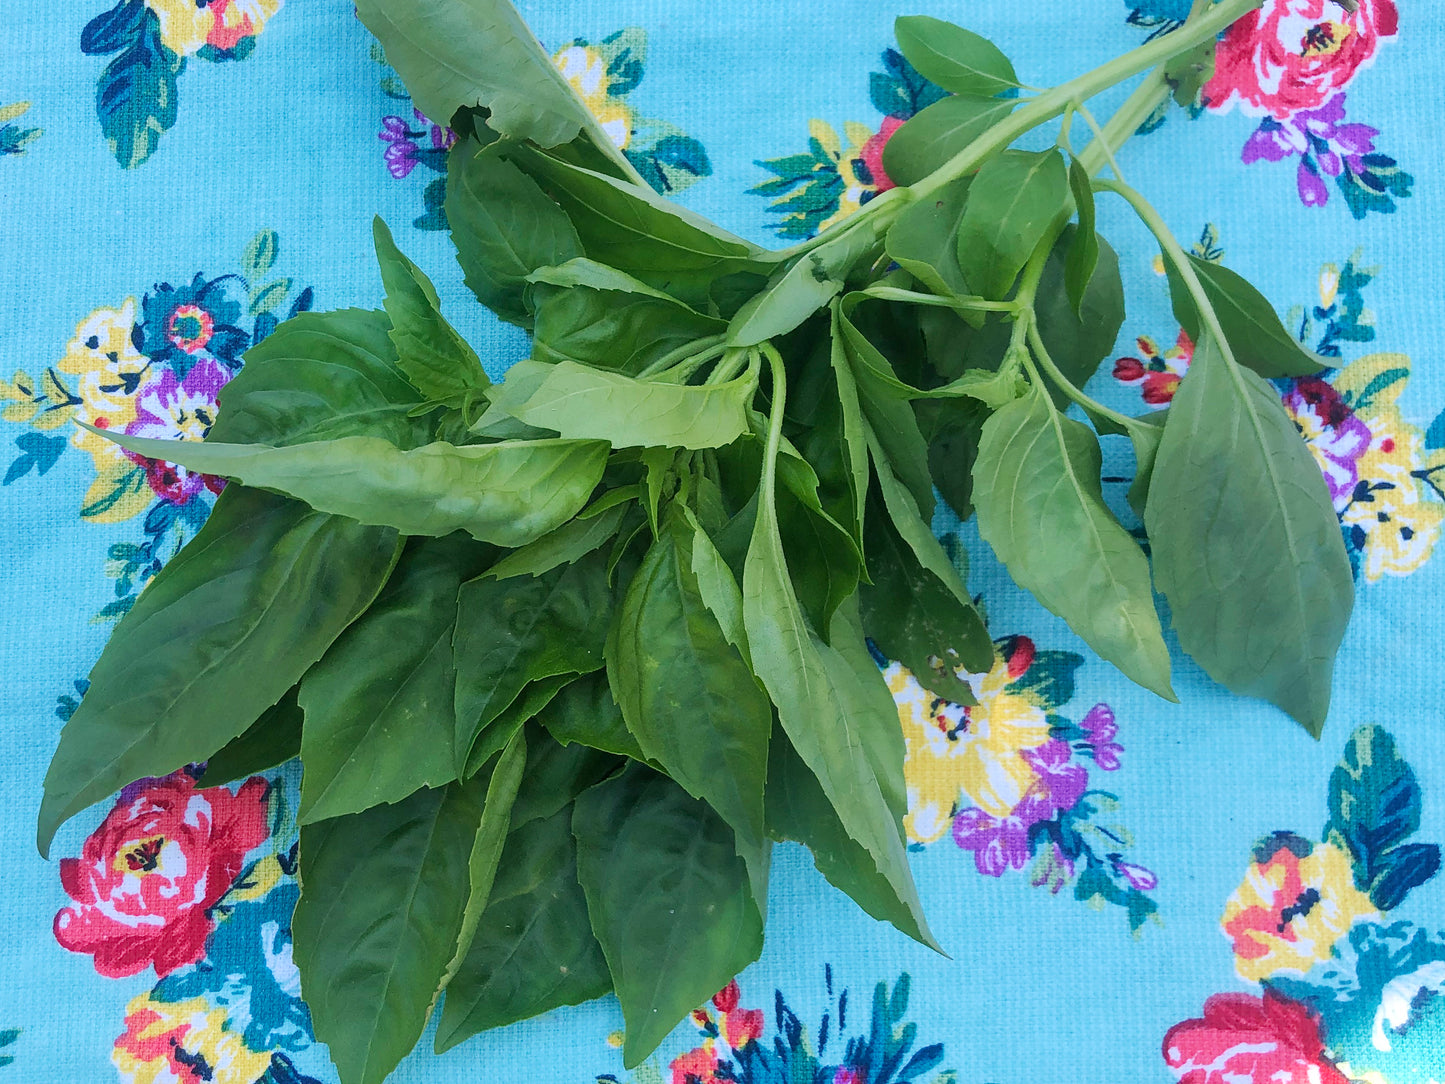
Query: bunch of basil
x=562 y=656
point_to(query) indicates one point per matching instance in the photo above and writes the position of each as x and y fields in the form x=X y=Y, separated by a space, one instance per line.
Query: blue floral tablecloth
x=1130 y=890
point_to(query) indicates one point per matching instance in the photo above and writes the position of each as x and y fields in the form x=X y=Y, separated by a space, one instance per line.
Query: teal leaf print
x=38 y=452
x=14 y=138
x=7 y=1039
x=1374 y=802
x=136 y=96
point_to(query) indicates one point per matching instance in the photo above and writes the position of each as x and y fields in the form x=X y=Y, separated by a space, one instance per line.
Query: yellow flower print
x=108 y=366
x=183 y=1042
x=964 y=756
x=1297 y=899
x=854 y=188
x=586 y=69
x=222 y=24
x=1395 y=517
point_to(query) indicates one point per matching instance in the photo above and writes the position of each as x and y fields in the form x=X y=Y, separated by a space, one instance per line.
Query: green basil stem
x=733 y=362
x=1175 y=254
x=1067 y=386
x=1101 y=140
x=767 y=493
x=964 y=301
x=698 y=348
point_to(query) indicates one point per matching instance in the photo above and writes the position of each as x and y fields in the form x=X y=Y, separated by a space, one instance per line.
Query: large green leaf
x=570 y=542
x=455 y=53
x=379 y=704
x=936 y=133
x=633 y=229
x=581 y=402
x=894 y=424
x=685 y=691
x=1253 y=331
x=1012 y=202
x=507 y=494
x=271 y=740
x=798 y=810
x=504 y=228
x=556 y=774
x=808 y=285
x=956 y=59
x=381 y=907
x=220 y=635
x=1246 y=543
x=612 y=328
x=436 y=360
x=844 y=725
x=320 y=376
x=1040 y=506
x=668 y=898
x=1078 y=337
x=923 y=240
x=517 y=630
x=533 y=949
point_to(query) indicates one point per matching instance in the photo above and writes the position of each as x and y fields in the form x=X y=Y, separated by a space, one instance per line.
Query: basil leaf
x=824 y=557
x=936 y=133
x=581 y=402
x=1040 y=506
x=954 y=428
x=453 y=54
x=503 y=784
x=387 y=683
x=621 y=330
x=635 y=230
x=844 y=727
x=798 y=810
x=923 y=240
x=1255 y=336
x=1012 y=202
x=685 y=692
x=570 y=542
x=271 y=740
x=1083 y=248
x=499 y=733
x=1079 y=337
x=852 y=424
x=504 y=228
x=716 y=585
x=381 y=907
x=320 y=376
x=956 y=59
x=585 y=713
x=556 y=775
x=507 y=494
x=808 y=285
x=514 y=631
x=668 y=897
x=533 y=949
x=436 y=360
x=196 y=661
x=1246 y=543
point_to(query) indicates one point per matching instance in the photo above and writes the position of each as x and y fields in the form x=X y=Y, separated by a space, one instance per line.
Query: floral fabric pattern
x=1345 y=998
x=15 y=137
x=152 y=367
x=732 y=1050
x=1383 y=472
x=1288 y=63
x=152 y=40
x=1006 y=778
x=603 y=74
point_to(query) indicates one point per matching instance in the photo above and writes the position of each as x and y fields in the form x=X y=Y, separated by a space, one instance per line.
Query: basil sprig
x=563 y=656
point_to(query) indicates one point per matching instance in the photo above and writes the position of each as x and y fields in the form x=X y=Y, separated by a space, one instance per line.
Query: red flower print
x=872 y=153
x=743 y=1026
x=1296 y=54
x=148 y=877
x=695 y=1067
x=726 y=999
x=1271 y=1040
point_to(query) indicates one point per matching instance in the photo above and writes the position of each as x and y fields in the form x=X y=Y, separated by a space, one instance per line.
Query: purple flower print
x=1334 y=433
x=1326 y=146
x=1059 y=784
x=171 y=409
x=403 y=150
x=1101 y=729
x=997 y=843
x=1145 y=880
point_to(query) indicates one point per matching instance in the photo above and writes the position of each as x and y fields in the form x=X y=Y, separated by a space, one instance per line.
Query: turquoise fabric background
x=1039 y=987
